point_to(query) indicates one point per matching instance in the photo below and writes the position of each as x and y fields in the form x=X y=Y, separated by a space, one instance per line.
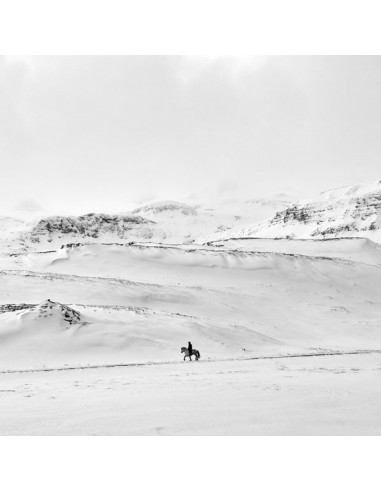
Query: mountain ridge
x=350 y=211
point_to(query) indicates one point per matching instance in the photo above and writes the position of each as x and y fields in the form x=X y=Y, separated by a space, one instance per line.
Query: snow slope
x=103 y=290
x=353 y=248
x=143 y=302
x=208 y=213
x=352 y=211
x=12 y=231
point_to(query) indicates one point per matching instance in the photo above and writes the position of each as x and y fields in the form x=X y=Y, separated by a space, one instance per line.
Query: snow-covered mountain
x=351 y=211
x=162 y=222
x=179 y=222
x=91 y=227
x=167 y=222
x=169 y=208
x=51 y=232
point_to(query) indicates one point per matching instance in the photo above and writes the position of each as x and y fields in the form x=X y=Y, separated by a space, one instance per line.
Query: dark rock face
x=345 y=215
x=5 y=308
x=46 y=309
x=49 y=308
x=89 y=225
x=293 y=213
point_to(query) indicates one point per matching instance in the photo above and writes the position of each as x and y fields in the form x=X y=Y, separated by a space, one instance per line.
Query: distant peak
x=164 y=206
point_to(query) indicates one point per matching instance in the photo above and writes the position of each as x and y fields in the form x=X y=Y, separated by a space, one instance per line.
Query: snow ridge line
x=217 y=250
x=73 y=277
x=4 y=308
x=230 y=359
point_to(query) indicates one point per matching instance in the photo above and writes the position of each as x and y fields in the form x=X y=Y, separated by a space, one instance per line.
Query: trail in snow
x=227 y=359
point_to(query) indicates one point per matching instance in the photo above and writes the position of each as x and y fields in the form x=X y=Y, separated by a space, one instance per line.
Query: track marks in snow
x=205 y=361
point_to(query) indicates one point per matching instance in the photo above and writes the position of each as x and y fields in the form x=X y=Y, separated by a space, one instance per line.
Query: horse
x=185 y=351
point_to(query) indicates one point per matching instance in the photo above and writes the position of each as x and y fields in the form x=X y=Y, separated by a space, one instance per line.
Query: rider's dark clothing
x=190 y=349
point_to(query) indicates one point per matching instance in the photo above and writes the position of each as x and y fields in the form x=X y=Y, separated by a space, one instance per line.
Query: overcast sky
x=104 y=133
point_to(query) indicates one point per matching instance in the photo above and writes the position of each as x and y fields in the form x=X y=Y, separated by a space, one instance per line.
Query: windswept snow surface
x=328 y=395
x=143 y=302
x=102 y=321
x=357 y=249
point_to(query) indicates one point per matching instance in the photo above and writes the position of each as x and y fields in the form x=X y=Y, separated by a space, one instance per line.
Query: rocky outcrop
x=344 y=212
x=54 y=310
x=87 y=226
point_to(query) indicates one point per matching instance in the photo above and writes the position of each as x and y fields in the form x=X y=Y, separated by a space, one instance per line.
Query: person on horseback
x=190 y=348
x=189 y=351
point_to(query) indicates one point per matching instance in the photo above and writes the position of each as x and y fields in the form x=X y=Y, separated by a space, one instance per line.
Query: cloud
x=189 y=68
x=106 y=131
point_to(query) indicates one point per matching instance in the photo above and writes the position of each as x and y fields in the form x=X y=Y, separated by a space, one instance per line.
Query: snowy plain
x=324 y=395
x=91 y=328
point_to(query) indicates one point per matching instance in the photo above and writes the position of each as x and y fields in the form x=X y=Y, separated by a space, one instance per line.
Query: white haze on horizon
x=81 y=134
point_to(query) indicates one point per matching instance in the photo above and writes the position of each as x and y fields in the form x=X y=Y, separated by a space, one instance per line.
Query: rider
x=190 y=350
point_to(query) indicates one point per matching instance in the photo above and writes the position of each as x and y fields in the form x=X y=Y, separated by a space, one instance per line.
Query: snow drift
x=143 y=302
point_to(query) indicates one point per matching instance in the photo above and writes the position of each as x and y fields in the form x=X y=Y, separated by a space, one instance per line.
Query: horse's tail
x=198 y=354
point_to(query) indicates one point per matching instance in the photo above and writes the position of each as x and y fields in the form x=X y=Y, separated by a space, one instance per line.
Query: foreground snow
x=126 y=310
x=329 y=395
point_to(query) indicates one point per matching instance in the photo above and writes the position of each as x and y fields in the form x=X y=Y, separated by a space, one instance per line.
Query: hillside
x=143 y=302
x=352 y=211
x=166 y=222
x=58 y=230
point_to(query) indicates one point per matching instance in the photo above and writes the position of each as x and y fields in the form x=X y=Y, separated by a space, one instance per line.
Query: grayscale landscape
x=109 y=265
